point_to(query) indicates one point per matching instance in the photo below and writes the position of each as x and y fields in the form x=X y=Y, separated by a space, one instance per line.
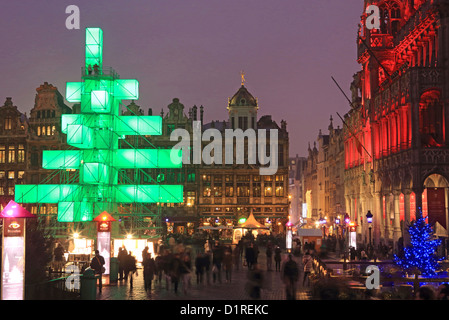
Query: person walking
x=149 y=269
x=97 y=264
x=290 y=277
x=59 y=257
x=159 y=268
x=175 y=271
x=217 y=260
x=307 y=261
x=269 y=254
x=131 y=269
x=227 y=263
x=250 y=256
x=122 y=254
x=236 y=256
x=185 y=269
x=199 y=268
x=277 y=258
x=255 y=282
x=207 y=267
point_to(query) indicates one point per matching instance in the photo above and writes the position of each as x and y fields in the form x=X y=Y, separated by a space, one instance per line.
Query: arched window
x=390 y=18
x=8 y=123
x=431 y=120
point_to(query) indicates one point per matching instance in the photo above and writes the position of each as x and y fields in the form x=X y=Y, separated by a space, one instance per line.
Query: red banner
x=436 y=205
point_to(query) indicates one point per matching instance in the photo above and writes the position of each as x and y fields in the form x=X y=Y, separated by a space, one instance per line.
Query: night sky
x=194 y=50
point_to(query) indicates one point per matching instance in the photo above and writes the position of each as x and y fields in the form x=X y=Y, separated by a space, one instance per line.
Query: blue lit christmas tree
x=421 y=253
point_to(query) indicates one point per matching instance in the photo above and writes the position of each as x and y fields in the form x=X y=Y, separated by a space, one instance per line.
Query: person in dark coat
x=269 y=254
x=130 y=268
x=290 y=277
x=277 y=258
x=227 y=263
x=149 y=269
x=97 y=264
x=175 y=271
x=250 y=256
x=122 y=253
x=255 y=282
x=217 y=260
x=199 y=268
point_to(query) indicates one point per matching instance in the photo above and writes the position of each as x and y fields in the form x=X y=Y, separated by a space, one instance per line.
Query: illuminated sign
x=104 y=226
x=13 y=227
x=289 y=239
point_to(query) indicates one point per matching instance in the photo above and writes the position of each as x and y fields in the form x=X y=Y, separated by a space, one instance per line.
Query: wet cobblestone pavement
x=273 y=288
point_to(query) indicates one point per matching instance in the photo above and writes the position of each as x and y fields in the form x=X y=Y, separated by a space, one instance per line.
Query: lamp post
x=369 y=219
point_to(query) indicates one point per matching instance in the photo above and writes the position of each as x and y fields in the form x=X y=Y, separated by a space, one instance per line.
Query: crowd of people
x=176 y=266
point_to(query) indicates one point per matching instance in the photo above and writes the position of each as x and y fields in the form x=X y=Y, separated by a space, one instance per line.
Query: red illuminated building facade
x=396 y=143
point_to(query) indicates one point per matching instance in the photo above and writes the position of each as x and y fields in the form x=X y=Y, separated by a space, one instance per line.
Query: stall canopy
x=251 y=223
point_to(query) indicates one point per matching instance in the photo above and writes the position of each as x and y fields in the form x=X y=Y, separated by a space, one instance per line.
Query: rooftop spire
x=242 y=75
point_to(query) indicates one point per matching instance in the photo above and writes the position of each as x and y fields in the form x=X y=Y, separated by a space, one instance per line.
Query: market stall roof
x=251 y=223
x=214 y=228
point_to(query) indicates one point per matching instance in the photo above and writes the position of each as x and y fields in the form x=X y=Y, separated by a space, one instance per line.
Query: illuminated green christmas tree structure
x=94 y=134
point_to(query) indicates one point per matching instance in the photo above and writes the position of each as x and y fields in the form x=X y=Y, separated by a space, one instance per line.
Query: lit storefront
x=135 y=246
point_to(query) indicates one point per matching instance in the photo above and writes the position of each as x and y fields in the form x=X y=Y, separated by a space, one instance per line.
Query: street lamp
x=369 y=219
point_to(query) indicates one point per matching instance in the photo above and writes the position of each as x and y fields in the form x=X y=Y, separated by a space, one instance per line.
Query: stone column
x=360 y=216
x=378 y=231
x=405 y=233
x=387 y=217
x=418 y=198
x=397 y=219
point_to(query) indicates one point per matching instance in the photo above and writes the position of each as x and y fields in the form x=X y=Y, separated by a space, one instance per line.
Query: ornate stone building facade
x=296 y=183
x=13 y=146
x=396 y=145
x=231 y=191
x=216 y=195
x=324 y=179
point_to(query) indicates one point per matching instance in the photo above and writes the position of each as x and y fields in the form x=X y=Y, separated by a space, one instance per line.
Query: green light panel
x=126 y=89
x=147 y=158
x=80 y=136
x=149 y=193
x=94 y=47
x=100 y=101
x=46 y=193
x=75 y=211
x=56 y=159
x=138 y=125
x=73 y=91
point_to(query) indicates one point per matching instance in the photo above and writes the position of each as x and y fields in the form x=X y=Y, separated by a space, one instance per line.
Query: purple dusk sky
x=194 y=50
